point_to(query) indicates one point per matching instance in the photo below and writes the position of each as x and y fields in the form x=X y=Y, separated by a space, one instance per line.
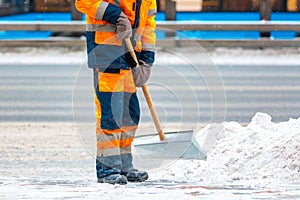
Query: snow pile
x=42 y=55
x=262 y=152
x=39 y=161
x=218 y=56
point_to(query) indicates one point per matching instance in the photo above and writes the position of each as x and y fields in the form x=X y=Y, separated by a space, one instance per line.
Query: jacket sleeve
x=99 y=9
x=149 y=36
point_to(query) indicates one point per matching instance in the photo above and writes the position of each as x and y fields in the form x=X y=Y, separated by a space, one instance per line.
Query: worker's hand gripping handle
x=147 y=94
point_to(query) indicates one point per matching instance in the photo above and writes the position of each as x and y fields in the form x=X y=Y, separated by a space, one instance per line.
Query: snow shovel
x=171 y=145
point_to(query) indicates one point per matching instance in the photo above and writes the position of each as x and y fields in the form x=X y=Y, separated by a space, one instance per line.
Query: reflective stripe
x=116 y=2
x=125 y=150
x=101 y=10
x=101 y=27
x=128 y=135
x=152 y=12
x=149 y=47
x=126 y=143
x=137 y=37
x=108 y=137
x=116 y=136
x=124 y=129
x=108 y=152
x=114 y=144
x=114 y=151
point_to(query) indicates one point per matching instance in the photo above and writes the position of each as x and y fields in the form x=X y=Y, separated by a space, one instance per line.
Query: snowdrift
x=261 y=152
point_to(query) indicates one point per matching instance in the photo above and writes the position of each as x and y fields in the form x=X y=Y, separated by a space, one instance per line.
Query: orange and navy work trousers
x=117 y=115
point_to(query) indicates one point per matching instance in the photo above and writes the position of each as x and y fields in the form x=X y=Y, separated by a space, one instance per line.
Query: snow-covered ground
x=257 y=161
x=279 y=56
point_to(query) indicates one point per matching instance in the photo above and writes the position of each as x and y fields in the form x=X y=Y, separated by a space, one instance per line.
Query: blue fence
x=181 y=16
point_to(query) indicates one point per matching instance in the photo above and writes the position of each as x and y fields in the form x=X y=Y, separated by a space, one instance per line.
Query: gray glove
x=141 y=74
x=123 y=27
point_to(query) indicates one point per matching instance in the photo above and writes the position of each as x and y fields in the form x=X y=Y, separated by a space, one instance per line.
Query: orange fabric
x=109 y=82
x=114 y=144
x=149 y=37
x=123 y=82
x=127 y=8
x=116 y=131
x=90 y=7
x=98 y=109
x=109 y=38
x=138 y=46
x=148 y=24
x=91 y=20
x=129 y=82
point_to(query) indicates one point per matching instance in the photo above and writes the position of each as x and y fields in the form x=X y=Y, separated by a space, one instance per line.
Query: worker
x=116 y=76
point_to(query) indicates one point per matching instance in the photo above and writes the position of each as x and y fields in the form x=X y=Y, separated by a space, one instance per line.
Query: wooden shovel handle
x=147 y=95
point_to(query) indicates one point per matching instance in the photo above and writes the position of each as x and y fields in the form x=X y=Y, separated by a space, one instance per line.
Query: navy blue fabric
x=111 y=14
x=134 y=109
x=117 y=108
x=147 y=56
x=104 y=56
x=127 y=165
x=111 y=107
x=90 y=41
x=108 y=165
x=129 y=59
x=131 y=110
x=138 y=55
x=107 y=56
x=137 y=14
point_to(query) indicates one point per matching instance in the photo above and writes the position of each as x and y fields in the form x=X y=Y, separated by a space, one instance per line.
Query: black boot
x=108 y=170
x=136 y=176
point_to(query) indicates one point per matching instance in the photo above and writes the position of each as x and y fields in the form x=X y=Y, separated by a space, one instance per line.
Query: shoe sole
x=138 y=179
x=118 y=181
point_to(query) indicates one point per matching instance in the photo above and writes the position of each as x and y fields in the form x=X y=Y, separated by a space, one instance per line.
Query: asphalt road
x=44 y=93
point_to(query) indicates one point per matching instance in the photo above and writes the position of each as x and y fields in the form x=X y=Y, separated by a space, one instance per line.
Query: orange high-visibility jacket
x=101 y=16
